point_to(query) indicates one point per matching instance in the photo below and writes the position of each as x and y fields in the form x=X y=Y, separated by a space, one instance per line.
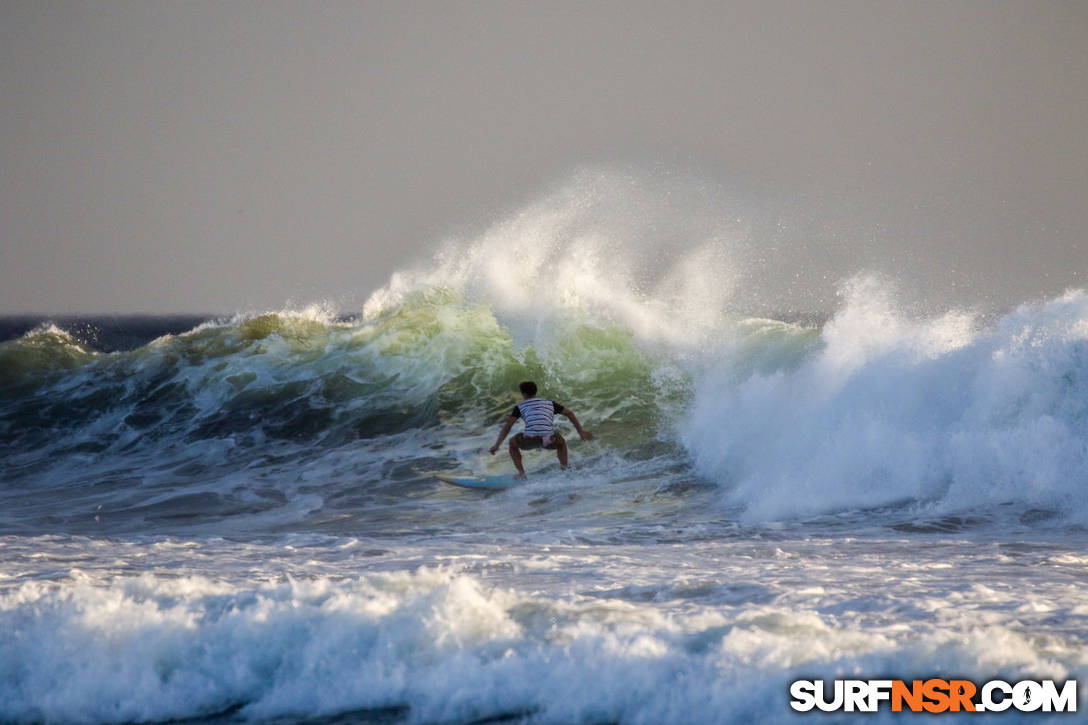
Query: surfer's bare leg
x=515 y=455
x=561 y=452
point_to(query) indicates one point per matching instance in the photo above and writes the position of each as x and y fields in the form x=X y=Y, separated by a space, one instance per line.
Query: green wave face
x=37 y=357
x=433 y=361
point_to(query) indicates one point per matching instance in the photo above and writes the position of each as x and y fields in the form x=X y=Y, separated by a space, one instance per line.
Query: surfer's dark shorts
x=528 y=443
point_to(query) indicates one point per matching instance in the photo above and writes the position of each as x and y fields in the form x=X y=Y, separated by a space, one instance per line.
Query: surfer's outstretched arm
x=585 y=434
x=502 y=434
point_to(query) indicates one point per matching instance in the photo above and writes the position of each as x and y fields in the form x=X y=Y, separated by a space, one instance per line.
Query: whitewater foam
x=710 y=633
x=889 y=409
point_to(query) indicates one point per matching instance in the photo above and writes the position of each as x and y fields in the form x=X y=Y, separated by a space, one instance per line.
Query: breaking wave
x=624 y=307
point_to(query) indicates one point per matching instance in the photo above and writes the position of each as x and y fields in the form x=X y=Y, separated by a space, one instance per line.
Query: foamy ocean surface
x=235 y=519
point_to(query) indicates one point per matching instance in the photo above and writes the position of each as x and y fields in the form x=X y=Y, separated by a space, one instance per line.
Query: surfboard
x=486 y=483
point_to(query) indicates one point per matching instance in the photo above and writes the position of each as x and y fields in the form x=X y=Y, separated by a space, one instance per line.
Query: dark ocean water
x=109 y=333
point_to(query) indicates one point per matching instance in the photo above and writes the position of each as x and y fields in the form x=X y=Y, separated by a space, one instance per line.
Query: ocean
x=219 y=519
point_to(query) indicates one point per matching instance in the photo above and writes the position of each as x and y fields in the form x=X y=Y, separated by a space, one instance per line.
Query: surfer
x=539 y=415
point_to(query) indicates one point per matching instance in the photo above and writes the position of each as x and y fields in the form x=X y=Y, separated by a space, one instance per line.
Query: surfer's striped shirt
x=539 y=415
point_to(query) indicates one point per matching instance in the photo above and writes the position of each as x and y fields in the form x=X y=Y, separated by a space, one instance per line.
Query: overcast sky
x=222 y=156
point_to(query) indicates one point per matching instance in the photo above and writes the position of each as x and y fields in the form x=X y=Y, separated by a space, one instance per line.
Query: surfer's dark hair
x=528 y=388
